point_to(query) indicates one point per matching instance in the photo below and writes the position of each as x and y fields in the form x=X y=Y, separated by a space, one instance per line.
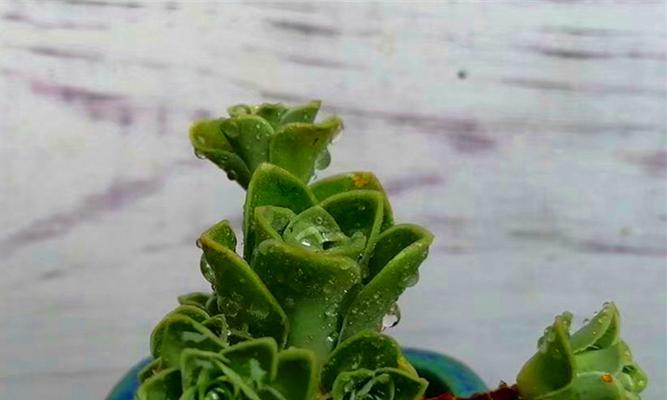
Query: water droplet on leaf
x=392 y=318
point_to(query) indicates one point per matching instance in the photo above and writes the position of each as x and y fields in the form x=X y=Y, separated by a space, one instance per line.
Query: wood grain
x=528 y=136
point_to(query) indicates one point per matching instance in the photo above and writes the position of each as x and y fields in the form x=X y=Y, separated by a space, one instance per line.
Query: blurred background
x=529 y=136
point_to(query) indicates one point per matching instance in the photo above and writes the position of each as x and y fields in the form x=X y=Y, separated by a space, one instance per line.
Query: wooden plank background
x=529 y=136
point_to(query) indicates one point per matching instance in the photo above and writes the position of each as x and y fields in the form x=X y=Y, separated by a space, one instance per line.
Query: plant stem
x=502 y=393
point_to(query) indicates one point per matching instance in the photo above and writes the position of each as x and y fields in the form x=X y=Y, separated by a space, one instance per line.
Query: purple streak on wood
x=600 y=247
x=578 y=54
x=97 y=105
x=121 y=193
x=653 y=163
x=200 y=113
x=582 y=87
x=320 y=62
x=302 y=7
x=68 y=25
x=471 y=141
x=304 y=28
x=584 y=32
x=51 y=274
x=100 y=3
x=162 y=120
x=397 y=186
x=63 y=53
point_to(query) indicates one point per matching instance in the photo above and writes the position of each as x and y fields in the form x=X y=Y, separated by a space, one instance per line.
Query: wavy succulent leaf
x=267 y=133
x=250 y=137
x=366 y=350
x=383 y=383
x=242 y=296
x=207 y=375
x=192 y=312
x=592 y=364
x=305 y=113
x=358 y=211
x=390 y=280
x=181 y=333
x=310 y=287
x=221 y=233
x=270 y=222
x=297 y=374
x=209 y=142
x=195 y=299
x=256 y=359
x=342 y=183
x=165 y=385
x=272 y=186
x=302 y=147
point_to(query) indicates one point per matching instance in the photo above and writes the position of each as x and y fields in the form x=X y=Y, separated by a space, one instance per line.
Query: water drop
x=392 y=318
x=411 y=279
x=257 y=137
x=198 y=243
x=206 y=270
x=323 y=160
x=199 y=155
x=231 y=174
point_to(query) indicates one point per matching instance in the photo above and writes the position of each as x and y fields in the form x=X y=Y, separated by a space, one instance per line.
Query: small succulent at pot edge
x=299 y=315
x=591 y=364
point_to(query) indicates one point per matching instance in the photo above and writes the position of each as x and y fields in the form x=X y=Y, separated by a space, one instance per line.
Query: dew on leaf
x=392 y=318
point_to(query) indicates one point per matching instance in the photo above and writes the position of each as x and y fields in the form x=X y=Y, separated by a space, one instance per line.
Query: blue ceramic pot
x=445 y=375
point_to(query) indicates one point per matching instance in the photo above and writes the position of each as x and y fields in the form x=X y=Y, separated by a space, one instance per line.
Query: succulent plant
x=592 y=364
x=299 y=314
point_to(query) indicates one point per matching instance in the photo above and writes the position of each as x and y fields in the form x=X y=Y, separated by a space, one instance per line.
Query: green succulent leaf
x=250 y=137
x=242 y=296
x=384 y=383
x=165 y=385
x=302 y=147
x=272 y=186
x=375 y=299
x=297 y=374
x=180 y=333
x=552 y=367
x=267 y=133
x=195 y=299
x=359 y=211
x=209 y=142
x=310 y=287
x=600 y=332
x=270 y=222
x=192 y=312
x=304 y=114
x=256 y=359
x=272 y=113
x=149 y=370
x=206 y=375
x=342 y=183
x=592 y=364
x=221 y=233
x=366 y=350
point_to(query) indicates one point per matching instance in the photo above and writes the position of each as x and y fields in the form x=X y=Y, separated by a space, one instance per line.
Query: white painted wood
x=529 y=136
